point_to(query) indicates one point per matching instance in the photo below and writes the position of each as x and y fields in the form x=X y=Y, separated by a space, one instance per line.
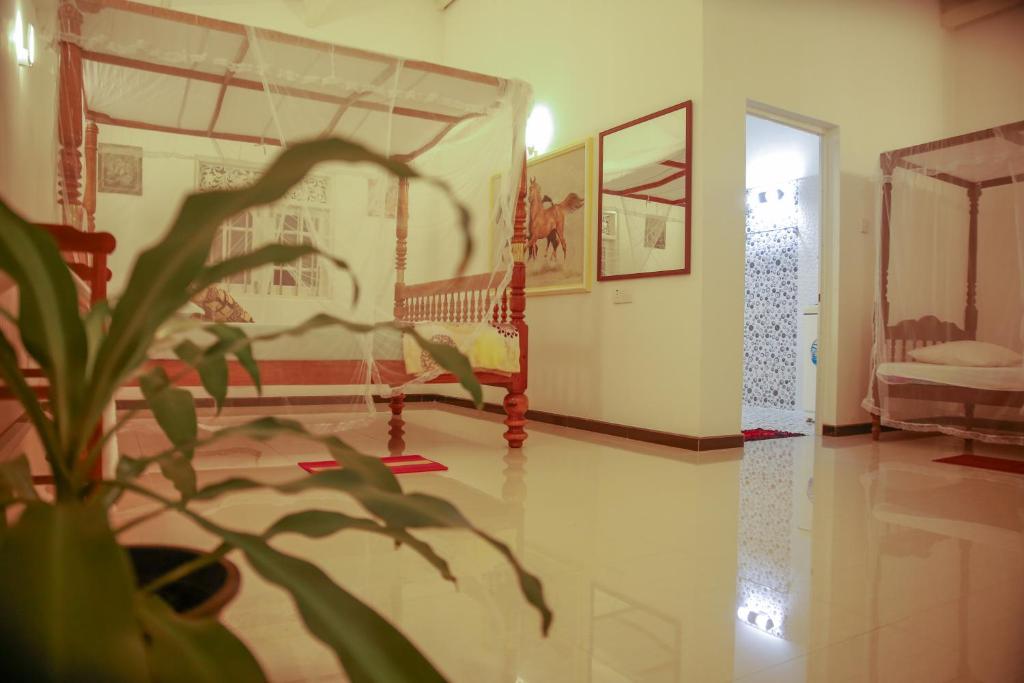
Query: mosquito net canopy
x=174 y=103
x=949 y=317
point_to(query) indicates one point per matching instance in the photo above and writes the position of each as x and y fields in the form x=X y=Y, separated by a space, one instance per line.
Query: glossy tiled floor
x=757 y=417
x=874 y=563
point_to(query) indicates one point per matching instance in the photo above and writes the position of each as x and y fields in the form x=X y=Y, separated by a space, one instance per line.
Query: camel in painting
x=547 y=219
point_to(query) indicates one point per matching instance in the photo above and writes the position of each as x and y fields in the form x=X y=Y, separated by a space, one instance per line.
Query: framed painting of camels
x=558 y=220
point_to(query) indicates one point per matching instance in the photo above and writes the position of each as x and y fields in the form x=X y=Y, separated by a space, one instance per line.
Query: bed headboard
x=907 y=335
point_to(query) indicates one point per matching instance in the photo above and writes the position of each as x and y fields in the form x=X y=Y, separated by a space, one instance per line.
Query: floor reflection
x=871 y=561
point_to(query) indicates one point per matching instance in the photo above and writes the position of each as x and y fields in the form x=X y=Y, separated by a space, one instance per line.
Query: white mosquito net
x=949 y=317
x=183 y=104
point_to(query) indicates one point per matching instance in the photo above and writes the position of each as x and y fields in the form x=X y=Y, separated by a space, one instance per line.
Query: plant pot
x=203 y=593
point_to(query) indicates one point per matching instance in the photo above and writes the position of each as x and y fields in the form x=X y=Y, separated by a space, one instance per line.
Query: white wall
x=849 y=64
x=28 y=147
x=28 y=116
x=594 y=64
x=985 y=86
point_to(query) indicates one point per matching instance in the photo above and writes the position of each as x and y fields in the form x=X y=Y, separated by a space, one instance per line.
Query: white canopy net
x=949 y=317
x=186 y=104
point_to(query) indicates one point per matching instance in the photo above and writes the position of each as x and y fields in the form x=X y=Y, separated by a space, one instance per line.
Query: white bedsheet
x=998 y=379
x=326 y=343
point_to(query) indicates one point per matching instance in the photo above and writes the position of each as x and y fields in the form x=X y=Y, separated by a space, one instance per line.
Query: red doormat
x=398 y=464
x=762 y=434
x=986 y=463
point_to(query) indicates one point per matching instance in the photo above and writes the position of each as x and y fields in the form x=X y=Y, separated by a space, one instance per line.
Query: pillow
x=971 y=354
x=220 y=307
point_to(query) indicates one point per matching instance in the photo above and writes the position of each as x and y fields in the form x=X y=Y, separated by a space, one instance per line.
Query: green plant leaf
x=396 y=510
x=448 y=357
x=16 y=479
x=361 y=467
x=321 y=523
x=175 y=411
x=455 y=362
x=50 y=328
x=95 y=323
x=235 y=339
x=213 y=370
x=163 y=277
x=22 y=391
x=192 y=650
x=277 y=254
x=368 y=647
x=66 y=599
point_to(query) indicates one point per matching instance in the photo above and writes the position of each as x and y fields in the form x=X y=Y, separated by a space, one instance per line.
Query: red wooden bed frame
x=459 y=299
x=904 y=336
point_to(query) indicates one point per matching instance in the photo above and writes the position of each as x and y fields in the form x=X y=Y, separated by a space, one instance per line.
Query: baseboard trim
x=851 y=429
x=682 y=441
x=260 y=401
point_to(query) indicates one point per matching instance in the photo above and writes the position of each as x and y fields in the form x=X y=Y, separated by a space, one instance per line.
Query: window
x=234 y=238
x=301 y=218
x=300 y=225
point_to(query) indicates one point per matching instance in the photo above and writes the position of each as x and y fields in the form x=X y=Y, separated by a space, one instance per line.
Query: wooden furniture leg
x=516 y=405
x=396 y=425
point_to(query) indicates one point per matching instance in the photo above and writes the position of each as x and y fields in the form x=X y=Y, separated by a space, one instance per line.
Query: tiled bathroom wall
x=781 y=282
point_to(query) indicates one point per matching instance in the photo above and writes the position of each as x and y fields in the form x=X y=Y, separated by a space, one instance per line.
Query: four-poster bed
x=216 y=73
x=927 y=360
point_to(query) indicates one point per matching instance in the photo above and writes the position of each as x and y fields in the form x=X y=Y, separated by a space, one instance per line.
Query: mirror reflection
x=644 y=202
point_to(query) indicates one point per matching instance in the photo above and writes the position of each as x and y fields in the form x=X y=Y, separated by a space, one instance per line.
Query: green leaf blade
x=66 y=599
x=49 y=325
x=455 y=362
x=213 y=370
x=367 y=646
x=175 y=411
x=194 y=650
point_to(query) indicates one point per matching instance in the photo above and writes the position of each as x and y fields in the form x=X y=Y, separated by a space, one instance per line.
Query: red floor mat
x=399 y=464
x=762 y=434
x=986 y=463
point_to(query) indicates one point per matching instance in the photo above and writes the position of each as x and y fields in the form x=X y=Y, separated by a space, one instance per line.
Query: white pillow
x=972 y=354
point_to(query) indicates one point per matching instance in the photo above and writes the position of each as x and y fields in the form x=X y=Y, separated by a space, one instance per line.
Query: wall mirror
x=644 y=202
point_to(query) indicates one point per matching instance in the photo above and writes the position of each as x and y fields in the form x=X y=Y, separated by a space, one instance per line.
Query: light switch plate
x=622 y=296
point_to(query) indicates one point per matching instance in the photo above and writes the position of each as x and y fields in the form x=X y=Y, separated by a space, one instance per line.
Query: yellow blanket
x=490 y=348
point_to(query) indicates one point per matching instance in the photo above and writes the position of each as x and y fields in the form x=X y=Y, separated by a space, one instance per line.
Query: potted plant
x=72 y=607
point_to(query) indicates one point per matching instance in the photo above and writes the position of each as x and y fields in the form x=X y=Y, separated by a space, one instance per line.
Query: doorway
x=784 y=176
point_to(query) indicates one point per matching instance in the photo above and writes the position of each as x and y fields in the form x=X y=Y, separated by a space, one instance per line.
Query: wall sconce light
x=24 y=38
x=540 y=130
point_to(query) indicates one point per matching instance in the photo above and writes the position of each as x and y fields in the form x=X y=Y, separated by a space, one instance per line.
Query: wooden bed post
x=516 y=403
x=401 y=246
x=396 y=425
x=69 y=114
x=888 y=166
x=971 y=309
x=92 y=133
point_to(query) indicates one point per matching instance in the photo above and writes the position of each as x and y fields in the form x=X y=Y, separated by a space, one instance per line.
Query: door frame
x=826 y=377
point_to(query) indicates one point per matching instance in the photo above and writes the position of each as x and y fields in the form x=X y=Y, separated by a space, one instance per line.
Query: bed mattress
x=996 y=379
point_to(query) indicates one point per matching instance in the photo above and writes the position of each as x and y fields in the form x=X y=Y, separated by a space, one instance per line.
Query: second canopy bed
x=950 y=312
